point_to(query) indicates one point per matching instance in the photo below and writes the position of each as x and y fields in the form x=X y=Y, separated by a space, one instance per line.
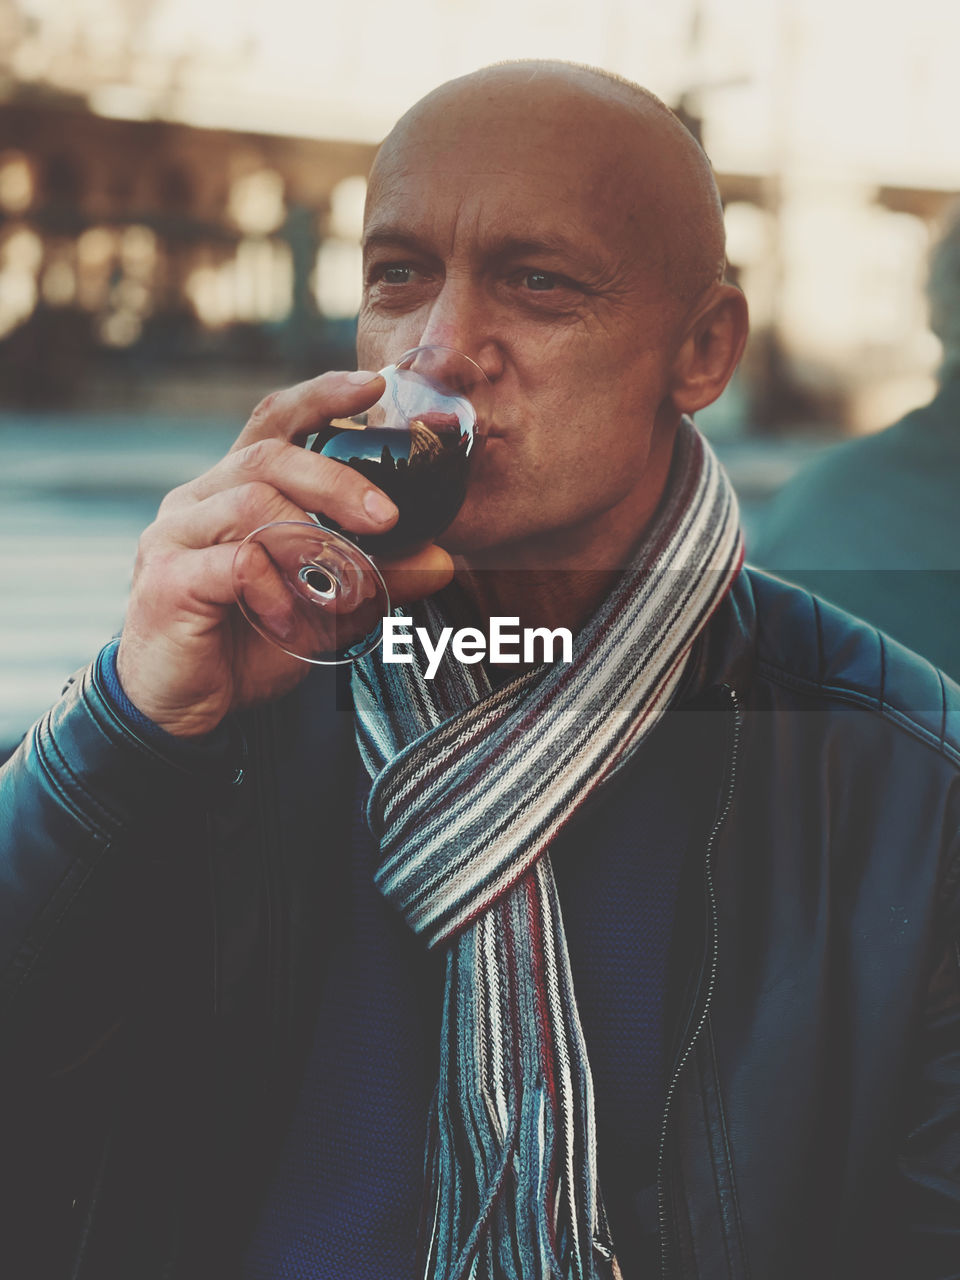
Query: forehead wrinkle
x=497 y=217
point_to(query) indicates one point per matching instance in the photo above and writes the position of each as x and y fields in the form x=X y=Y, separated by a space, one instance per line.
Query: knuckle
x=176 y=498
x=154 y=553
x=324 y=381
x=261 y=455
x=256 y=501
x=150 y=540
x=264 y=410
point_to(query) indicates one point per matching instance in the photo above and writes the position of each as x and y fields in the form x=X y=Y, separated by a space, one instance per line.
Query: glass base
x=310 y=592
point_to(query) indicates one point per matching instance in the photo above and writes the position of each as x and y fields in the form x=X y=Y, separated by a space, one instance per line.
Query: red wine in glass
x=423 y=468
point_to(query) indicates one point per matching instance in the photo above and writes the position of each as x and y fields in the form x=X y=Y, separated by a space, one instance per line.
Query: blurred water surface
x=75 y=493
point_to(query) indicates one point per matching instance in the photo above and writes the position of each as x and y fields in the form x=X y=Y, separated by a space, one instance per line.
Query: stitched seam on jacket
x=866 y=701
x=110 y=819
x=85 y=819
x=734 y=1199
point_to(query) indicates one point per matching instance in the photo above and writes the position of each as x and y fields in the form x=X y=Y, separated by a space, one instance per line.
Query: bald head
x=589 y=126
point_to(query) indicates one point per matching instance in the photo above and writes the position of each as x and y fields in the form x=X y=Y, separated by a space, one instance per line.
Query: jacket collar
x=724 y=652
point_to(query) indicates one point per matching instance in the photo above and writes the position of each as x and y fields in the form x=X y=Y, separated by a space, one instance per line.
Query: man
x=654 y=956
x=873 y=524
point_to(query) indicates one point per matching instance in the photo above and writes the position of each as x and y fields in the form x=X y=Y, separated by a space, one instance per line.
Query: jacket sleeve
x=929 y=1163
x=101 y=837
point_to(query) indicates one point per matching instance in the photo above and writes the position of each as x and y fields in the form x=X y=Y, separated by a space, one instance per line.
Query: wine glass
x=311 y=588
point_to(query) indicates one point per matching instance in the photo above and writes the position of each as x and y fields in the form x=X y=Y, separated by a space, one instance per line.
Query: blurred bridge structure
x=154 y=264
x=145 y=258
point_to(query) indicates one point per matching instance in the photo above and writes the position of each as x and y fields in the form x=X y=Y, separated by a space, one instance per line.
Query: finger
x=262 y=593
x=315 y=567
x=285 y=415
x=193 y=586
x=312 y=481
x=185 y=587
x=195 y=582
x=292 y=413
x=229 y=515
x=209 y=575
x=416 y=576
x=279 y=601
x=312 y=624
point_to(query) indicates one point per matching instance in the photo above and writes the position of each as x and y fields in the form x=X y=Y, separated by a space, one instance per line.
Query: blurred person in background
x=642 y=965
x=874 y=524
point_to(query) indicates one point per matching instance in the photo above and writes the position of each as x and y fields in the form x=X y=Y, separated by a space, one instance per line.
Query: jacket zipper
x=730 y=778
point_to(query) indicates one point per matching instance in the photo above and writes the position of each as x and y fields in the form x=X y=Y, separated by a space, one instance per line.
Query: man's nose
x=460 y=318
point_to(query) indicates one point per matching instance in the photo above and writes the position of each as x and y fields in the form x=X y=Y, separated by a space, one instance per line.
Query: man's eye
x=395 y=275
x=539 y=281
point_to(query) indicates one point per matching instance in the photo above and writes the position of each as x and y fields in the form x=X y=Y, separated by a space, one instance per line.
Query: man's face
x=519 y=240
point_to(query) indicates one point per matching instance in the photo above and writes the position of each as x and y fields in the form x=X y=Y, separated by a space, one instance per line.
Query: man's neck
x=558 y=580
x=537 y=597
x=555 y=582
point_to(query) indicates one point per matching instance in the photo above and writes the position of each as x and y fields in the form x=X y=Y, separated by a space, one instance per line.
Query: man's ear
x=711 y=349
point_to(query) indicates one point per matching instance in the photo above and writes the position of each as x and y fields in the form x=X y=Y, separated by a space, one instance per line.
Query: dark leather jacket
x=163 y=921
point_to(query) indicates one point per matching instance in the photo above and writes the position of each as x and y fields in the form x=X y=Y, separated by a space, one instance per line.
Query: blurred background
x=181 y=187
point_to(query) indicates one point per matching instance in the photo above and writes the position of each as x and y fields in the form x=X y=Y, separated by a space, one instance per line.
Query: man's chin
x=462 y=543
x=474 y=532
x=470 y=531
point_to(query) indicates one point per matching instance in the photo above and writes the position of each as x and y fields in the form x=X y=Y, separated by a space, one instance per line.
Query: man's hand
x=187 y=656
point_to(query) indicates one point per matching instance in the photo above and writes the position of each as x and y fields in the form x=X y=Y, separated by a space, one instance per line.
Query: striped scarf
x=470 y=785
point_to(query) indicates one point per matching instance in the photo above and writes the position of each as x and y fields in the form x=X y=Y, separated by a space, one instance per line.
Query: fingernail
x=377 y=506
x=361 y=377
